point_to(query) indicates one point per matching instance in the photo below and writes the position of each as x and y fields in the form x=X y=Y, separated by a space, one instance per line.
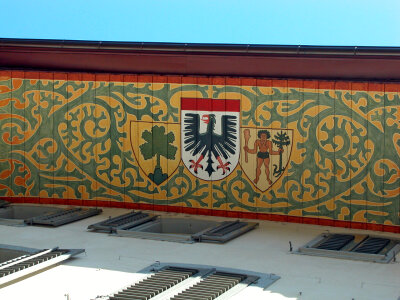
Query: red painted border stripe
x=203 y=211
x=210 y=104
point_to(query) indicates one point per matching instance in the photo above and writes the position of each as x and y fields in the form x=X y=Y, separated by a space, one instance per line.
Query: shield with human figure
x=265 y=154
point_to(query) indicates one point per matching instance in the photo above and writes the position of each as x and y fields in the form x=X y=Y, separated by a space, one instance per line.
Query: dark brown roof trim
x=278 y=61
x=245 y=49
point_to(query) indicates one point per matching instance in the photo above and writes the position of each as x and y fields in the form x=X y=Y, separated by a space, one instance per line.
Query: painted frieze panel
x=318 y=151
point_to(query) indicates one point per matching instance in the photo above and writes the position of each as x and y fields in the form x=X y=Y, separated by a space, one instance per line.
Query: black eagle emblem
x=209 y=142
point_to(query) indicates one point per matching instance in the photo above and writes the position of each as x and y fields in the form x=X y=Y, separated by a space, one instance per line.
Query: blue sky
x=301 y=22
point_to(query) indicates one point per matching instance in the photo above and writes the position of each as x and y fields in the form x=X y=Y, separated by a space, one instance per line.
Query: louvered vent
x=4 y=203
x=357 y=247
x=64 y=216
x=372 y=245
x=27 y=261
x=128 y=220
x=335 y=242
x=211 y=287
x=155 y=284
x=184 y=230
x=190 y=282
x=32 y=262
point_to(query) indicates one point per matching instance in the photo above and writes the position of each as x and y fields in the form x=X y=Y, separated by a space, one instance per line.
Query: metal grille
x=372 y=245
x=128 y=218
x=131 y=219
x=211 y=287
x=26 y=263
x=4 y=203
x=357 y=247
x=224 y=231
x=64 y=217
x=336 y=242
x=225 y=228
x=14 y=260
x=155 y=284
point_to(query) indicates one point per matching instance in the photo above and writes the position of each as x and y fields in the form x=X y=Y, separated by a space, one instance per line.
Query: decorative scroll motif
x=328 y=152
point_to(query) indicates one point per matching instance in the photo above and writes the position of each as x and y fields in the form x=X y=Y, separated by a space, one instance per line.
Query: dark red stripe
x=210 y=104
x=203 y=211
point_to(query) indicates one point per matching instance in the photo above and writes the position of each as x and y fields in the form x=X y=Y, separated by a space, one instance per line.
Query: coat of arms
x=209 y=144
x=210 y=136
x=156 y=148
x=265 y=154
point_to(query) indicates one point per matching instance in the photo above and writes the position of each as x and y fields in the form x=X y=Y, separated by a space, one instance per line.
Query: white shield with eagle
x=210 y=136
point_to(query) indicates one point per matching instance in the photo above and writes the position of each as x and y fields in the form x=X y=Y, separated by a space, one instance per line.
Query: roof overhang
x=277 y=61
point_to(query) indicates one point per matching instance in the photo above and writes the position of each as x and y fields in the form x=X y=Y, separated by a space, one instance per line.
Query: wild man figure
x=263 y=148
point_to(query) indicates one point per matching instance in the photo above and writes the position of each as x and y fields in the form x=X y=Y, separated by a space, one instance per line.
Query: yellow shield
x=156 y=147
x=265 y=154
